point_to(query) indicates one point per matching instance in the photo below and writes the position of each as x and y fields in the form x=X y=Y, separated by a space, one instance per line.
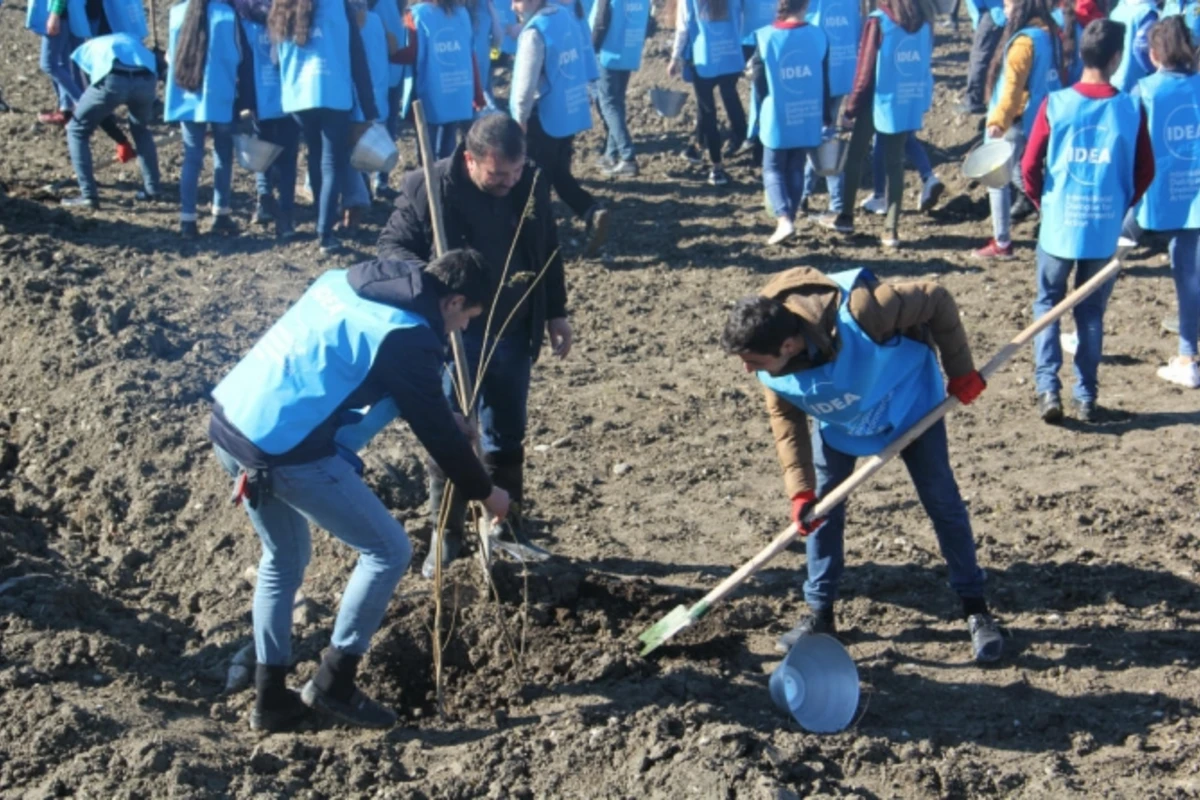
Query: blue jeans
x=193 y=162
x=928 y=463
x=1001 y=200
x=136 y=92
x=610 y=99
x=325 y=134
x=503 y=393
x=835 y=183
x=354 y=191
x=1185 y=269
x=445 y=139
x=329 y=493
x=783 y=178
x=55 y=61
x=1052 y=275
x=281 y=176
x=914 y=151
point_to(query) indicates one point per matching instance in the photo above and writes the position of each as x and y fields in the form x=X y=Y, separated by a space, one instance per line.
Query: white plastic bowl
x=990 y=163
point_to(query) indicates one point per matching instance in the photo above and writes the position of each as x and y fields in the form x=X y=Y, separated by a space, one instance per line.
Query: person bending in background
x=860 y=358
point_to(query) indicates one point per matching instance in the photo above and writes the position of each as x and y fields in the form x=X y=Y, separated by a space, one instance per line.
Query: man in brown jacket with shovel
x=859 y=357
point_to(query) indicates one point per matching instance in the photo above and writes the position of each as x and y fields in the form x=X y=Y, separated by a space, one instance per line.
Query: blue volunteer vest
x=36 y=12
x=481 y=42
x=756 y=14
x=869 y=394
x=903 y=77
x=393 y=23
x=1172 y=103
x=626 y=36
x=842 y=22
x=1191 y=15
x=1131 y=15
x=562 y=106
x=445 y=79
x=1089 y=173
x=124 y=16
x=96 y=57
x=716 y=44
x=993 y=8
x=214 y=101
x=1043 y=76
x=792 y=114
x=303 y=369
x=268 y=94
x=318 y=75
x=591 y=69
x=375 y=43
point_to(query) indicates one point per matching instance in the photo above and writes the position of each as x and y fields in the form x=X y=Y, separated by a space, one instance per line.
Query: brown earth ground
x=136 y=589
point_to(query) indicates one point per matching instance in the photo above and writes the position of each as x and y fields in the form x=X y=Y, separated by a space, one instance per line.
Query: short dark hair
x=496 y=133
x=1102 y=39
x=759 y=325
x=1171 y=44
x=461 y=272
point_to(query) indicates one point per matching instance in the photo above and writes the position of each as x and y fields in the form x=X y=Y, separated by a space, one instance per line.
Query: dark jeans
x=135 y=92
x=281 y=176
x=1053 y=274
x=325 y=134
x=444 y=139
x=893 y=166
x=610 y=99
x=553 y=155
x=928 y=463
x=503 y=394
x=706 y=112
x=987 y=38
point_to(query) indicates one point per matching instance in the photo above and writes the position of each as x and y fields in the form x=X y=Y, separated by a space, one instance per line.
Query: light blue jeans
x=329 y=493
x=1052 y=276
x=55 y=61
x=834 y=183
x=783 y=178
x=193 y=162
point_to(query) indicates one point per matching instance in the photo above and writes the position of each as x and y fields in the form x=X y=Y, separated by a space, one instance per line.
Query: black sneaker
x=285 y=229
x=836 y=222
x=1050 y=407
x=90 y=203
x=285 y=716
x=452 y=544
x=331 y=245
x=1022 y=208
x=717 y=176
x=189 y=230
x=224 y=225
x=386 y=193
x=597 y=230
x=1086 y=410
x=264 y=210
x=692 y=155
x=987 y=642
x=813 y=622
x=360 y=710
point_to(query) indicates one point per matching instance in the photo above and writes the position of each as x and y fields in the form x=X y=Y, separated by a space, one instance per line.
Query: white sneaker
x=1125 y=241
x=1181 y=370
x=1069 y=342
x=889 y=242
x=875 y=205
x=783 y=230
x=931 y=192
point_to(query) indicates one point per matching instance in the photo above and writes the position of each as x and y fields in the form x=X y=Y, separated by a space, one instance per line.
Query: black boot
x=334 y=692
x=508 y=472
x=276 y=707
x=454 y=520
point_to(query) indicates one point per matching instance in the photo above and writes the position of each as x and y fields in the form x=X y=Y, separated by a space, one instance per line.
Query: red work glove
x=967 y=387
x=125 y=152
x=801 y=503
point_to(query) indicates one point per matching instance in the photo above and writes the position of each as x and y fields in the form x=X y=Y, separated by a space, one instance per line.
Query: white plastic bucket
x=374 y=151
x=817 y=684
x=255 y=155
x=990 y=163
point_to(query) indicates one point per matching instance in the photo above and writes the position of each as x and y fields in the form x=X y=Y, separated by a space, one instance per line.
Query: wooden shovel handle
x=873 y=464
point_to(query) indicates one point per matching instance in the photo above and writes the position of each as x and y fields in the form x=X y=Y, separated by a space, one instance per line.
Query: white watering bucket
x=990 y=163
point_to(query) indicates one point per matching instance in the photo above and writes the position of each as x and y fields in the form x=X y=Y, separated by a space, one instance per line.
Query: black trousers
x=707 y=130
x=553 y=155
x=983 y=46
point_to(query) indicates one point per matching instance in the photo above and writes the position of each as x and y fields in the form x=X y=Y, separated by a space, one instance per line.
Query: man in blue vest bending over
x=859 y=358
x=358 y=349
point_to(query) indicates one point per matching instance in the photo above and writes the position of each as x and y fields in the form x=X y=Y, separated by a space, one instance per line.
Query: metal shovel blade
x=679 y=618
x=521 y=552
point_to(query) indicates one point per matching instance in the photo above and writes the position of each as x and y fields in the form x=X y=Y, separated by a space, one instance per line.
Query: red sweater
x=1033 y=163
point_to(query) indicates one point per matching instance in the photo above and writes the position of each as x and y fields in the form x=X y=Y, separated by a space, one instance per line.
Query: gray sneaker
x=987 y=641
x=624 y=168
x=605 y=163
x=360 y=710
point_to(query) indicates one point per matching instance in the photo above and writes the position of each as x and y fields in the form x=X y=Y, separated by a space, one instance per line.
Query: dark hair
x=760 y=325
x=1171 y=44
x=910 y=14
x=1070 y=45
x=1027 y=11
x=496 y=133
x=191 y=48
x=788 y=7
x=1102 y=40
x=291 y=20
x=461 y=272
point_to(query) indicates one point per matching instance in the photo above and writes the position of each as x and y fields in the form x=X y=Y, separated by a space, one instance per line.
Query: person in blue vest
x=1171 y=205
x=1088 y=161
x=1190 y=11
x=549 y=100
x=1138 y=17
x=756 y=14
x=618 y=37
x=1023 y=72
x=391 y=14
x=915 y=156
x=860 y=358
x=842 y=22
x=486 y=35
x=708 y=46
x=989 y=21
x=790 y=71
x=122 y=72
x=356 y=193
x=893 y=88
x=359 y=349
x=204 y=76
x=275 y=188
x=323 y=68
x=444 y=75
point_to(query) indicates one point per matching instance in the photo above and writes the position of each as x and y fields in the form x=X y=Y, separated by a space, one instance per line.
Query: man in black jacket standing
x=494 y=201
